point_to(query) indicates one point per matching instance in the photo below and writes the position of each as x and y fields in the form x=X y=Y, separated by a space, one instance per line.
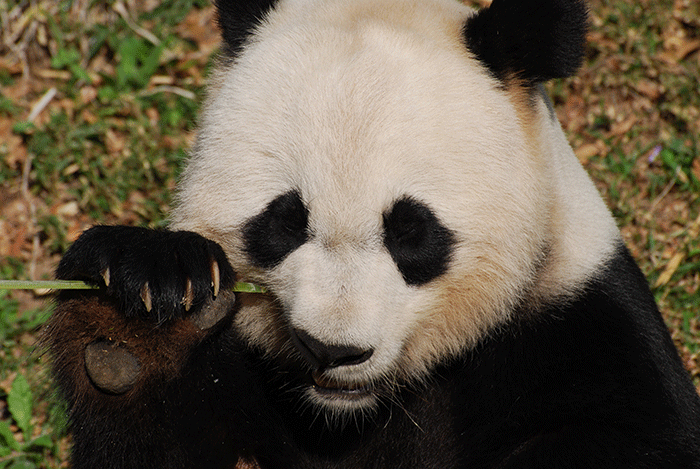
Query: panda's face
x=359 y=162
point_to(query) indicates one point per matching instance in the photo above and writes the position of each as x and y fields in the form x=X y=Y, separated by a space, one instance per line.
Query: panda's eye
x=418 y=243
x=277 y=231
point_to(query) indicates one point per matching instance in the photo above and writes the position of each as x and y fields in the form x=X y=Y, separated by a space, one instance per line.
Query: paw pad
x=112 y=368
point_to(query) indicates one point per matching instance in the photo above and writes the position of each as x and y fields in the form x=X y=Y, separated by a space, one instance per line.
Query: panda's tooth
x=189 y=295
x=105 y=276
x=146 y=297
x=215 y=277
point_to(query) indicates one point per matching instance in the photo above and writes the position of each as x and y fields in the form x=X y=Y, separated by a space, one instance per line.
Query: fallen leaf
x=649 y=89
x=115 y=142
x=621 y=128
x=199 y=26
x=586 y=152
x=696 y=168
x=670 y=269
x=686 y=48
x=50 y=74
x=161 y=80
x=88 y=94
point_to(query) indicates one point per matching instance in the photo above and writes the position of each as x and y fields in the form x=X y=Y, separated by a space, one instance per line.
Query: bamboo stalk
x=238 y=287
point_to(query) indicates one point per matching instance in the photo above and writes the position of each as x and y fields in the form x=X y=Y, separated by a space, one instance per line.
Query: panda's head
x=390 y=171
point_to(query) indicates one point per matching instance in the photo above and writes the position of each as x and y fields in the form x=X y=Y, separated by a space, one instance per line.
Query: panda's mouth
x=332 y=388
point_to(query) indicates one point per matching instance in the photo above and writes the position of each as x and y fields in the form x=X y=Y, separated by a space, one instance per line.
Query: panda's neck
x=583 y=233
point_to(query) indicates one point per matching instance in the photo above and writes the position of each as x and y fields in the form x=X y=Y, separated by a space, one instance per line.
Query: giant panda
x=444 y=286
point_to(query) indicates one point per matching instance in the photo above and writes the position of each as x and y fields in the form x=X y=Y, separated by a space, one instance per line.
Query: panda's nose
x=323 y=356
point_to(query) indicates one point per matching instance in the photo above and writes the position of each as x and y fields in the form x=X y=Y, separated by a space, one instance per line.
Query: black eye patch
x=418 y=243
x=277 y=231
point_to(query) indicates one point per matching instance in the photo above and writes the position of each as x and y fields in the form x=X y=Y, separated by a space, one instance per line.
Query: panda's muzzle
x=322 y=356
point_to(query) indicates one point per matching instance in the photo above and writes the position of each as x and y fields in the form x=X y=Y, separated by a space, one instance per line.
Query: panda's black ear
x=238 y=19
x=530 y=41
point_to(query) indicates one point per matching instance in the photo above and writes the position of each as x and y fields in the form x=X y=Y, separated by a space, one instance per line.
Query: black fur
x=277 y=231
x=134 y=256
x=529 y=40
x=418 y=243
x=238 y=20
x=591 y=383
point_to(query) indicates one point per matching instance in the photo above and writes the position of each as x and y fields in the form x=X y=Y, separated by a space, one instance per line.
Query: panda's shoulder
x=600 y=353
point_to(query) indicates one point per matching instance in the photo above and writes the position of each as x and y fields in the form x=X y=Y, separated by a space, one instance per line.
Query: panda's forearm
x=116 y=375
x=176 y=395
x=111 y=378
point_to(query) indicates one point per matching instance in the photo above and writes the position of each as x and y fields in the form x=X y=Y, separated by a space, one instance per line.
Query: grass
x=110 y=142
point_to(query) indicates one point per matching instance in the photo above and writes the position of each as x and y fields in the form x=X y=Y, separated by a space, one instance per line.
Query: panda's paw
x=133 y=352
x=152 y=274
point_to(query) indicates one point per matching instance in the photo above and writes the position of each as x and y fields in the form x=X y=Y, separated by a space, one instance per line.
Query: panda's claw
x=146 y=297
x=105 y=275
x=215 y=277
x=188 y=298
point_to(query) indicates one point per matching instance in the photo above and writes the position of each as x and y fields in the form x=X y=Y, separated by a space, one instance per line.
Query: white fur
x=355 y=104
